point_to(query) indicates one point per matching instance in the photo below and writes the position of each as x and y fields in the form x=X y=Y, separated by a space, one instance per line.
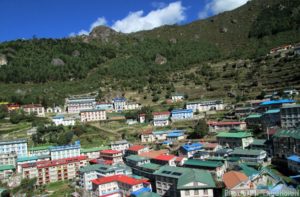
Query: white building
x=92 y=115
x=176 y=97
x=119 y=103
x=36 y=109
x=131 y=106
x=60 y=152
x=8 y=159
x=75 y=105
x=121 y=145
x=18 y=146
x=61 y=120
x=215 y=126
x=181 y=114
x=203 y=106
x=161 y=119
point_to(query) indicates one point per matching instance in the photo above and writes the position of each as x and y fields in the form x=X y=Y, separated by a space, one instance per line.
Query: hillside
x=220 y=56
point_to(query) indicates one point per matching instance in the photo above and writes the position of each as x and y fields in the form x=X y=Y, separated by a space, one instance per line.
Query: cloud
x=137 y=21
x=98 y=22
x=218 y=6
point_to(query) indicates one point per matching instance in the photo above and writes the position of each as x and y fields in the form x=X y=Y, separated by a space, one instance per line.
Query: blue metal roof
x=179 y=111
x=272 y=111
x=119 y=99
x=175 y=134
x=59 y=117
x=294 y=158
x=281 y=101
x=145 y=189
x=192 y=147
x=167 y=142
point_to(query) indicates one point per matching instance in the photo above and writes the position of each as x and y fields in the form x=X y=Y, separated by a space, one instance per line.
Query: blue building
x=105 y=106
x=294 y=163
x=60 y=152
x=181 y=114
x=274 y=104
x=175 y=136
x=190 y=149
x=119 y=103
x=18 y=146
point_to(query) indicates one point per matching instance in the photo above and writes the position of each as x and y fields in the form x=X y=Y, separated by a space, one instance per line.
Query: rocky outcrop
x=103 y=33
x=57 y=62
x=159 y=59
x=3 y=60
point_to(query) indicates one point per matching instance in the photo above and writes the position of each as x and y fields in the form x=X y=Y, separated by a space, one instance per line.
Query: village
x=238 y=155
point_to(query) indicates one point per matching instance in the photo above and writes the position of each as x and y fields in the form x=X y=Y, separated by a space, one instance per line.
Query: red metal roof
x=165 y=157
x=110 y=152
x=161 y=113
x=136 y=148
x=210 y=145
x=214 y=123
x=147 y=132
x=119 y=178
x=154 y=153
x=32 y=106
x=46 y=164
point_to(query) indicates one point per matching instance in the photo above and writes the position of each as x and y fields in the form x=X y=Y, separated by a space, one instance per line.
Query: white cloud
x=98 y=22
x=136 y=21
x=218 y=6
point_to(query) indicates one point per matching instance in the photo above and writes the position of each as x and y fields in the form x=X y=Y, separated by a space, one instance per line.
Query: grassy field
x=59 y=189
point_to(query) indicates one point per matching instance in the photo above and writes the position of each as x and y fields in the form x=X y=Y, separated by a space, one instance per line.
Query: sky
x=25 y=19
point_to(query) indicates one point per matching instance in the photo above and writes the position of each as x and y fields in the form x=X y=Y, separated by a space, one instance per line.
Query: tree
x=200 y=129
x=16 y=117
x=100 y=94
x=147 y=110
x=3 y=112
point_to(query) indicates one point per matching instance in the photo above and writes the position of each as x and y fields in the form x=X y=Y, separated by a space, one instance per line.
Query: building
x=290 y=116
x=175 y=136
x=91 y=172
x=136 y=150
x=61 y=120
x=18 y=146
x=236 y=184
x=35 y=109
x=178 y=181
x=119 y=185
x=161 y=119
x=55 y=109
x=60 y=152
x=164 y=160
x=119 y=103
x=92 y=153
x=215 y=167
x=176 y=97
x=154 y=153
x=104 y=106
x=75 y=105
x=189 y=149
x=270 y=118
x=235 y=139
x=90 y=115
x=203 y=106
x=132 y=106
x=54 y=170
x=181 y=114
x=136 y=160
x=207 y=150
x=30 y=159
x=142 y=118
x=241 y=112
x=8 y=159
x=112 y=156
x=254 y=121
x=12 y=107
x=294 y=163
x=147 y=136
x=274 y=104
x=39 y=150
x=286 y=142
x=6 y=171
x=120 y=145
x=215 y=127
x=250 y=155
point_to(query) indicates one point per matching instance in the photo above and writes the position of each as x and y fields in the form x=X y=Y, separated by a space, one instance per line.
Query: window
x=187 y=192
x=205 y=192
x=196 y=192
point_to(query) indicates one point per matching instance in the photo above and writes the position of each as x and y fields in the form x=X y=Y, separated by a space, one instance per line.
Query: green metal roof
x=254 y=116
x=272 y=111
x=37 y=148
x=239 y=134
x=90 y=168
x=136 y=158
x=94 y=149
x=294 y=133
x=202 y=163
x=216 y=159
x=151 y=166
x=186 y=176
x=259 y=142
x=239 y=151
x=7 y=167
x=249 y=171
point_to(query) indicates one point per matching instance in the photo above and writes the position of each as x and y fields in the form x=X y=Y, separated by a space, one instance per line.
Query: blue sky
x=63 y=18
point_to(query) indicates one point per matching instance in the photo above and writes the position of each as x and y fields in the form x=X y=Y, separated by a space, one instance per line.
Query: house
x=286 y=142
x=176 y=97
x=250 y=155
x=104 y=106
x=136 y=160
x=179 y=161
x=290 y=116
x=136 y=150
x=237 y=184
x=92 y=153
x=215 y=127
x=175 y=136
x=30 y=159
x=6 y=171
x=161 y=119
x=91 y=172
x=55 y=109
x=281 y=49
x=35 y=109
x=54 y=170
x=235 y=139
x=39 y=150
x=178 y=181
x=112 y=156
x=120 y=145
x=142 y=118
x=119 y=103
x=12 y=107
x=259 y=144
x=75 y=105
x=90 y=115
x=207 y=150
x=132 y=106
x=60 y=152
x=275 y=104
x=164 y=160
x=8 y=159
x=215 y=167
x=253 y=121
x=241 y=112
x=294 y=163
x=154 y=153
x=181 y=114
x=61 y=120
x=189 y=149
x=119 y=185
x=203 y=106
x=147 y=136
x=270 y=118
x=18 y=146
